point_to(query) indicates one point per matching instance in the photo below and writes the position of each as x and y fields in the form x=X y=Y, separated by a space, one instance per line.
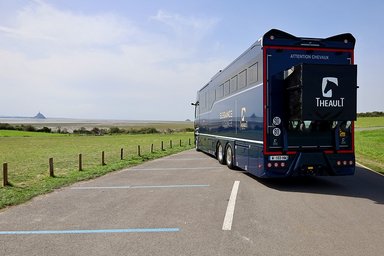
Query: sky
x=145 y=60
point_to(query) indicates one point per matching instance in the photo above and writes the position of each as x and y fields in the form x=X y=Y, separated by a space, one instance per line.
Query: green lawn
x=12 y=133
x=369 y=145
x=369 y=142
x=369 y=122
x=27 y=155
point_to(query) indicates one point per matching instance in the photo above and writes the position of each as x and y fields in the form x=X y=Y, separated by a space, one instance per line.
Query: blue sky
x=145 y=60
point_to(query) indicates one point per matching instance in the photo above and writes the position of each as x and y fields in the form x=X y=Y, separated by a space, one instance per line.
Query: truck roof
x=275 y=37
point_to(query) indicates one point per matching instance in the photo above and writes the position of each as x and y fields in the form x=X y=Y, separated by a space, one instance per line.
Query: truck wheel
x=220 y=153
x=229 y=156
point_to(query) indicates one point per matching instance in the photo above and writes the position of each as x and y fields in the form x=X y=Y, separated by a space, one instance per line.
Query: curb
x=369 y=169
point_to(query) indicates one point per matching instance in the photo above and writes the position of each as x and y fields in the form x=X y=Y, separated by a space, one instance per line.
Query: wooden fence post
x=162 y=146
x=170 y=143
x=51 y=173
x=80 y=162
x=189 y=141
x=5 y=174
x=180 y=143
x=121 y=154
x=102 y=158
x=138 y=150
x=151 y=148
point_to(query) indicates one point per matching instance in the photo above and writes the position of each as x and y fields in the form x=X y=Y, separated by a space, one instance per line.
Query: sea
x=31 y=120
x=71 y=123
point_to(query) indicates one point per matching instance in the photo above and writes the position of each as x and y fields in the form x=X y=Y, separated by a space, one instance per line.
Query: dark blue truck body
x=285 y=107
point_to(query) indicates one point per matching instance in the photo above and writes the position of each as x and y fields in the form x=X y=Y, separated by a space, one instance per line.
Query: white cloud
x=190 y=30
x=74 y=65
x=179 y=23
x=45 y=22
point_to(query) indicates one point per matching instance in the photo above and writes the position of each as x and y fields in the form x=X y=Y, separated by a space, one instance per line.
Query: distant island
x=39 y=116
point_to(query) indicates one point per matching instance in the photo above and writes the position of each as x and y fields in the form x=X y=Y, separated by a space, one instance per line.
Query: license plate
x=278 y=158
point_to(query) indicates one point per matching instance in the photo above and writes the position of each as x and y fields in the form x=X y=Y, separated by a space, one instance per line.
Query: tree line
x=371 y=114
x=94 y=131
x=22 y=127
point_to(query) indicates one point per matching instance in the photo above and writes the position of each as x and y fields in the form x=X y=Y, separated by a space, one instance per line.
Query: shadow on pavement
x=364 y=184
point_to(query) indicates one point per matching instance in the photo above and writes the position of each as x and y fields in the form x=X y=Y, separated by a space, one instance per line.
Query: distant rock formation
x=39 y=116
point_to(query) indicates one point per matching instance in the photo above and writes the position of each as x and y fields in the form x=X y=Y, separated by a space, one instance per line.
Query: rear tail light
x=344 y=162
x=276 y=164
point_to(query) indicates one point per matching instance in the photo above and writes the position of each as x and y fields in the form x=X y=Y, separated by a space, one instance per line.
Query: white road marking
x=142 y=186
x=173 y=169
x=181 y=159
x=227 y=224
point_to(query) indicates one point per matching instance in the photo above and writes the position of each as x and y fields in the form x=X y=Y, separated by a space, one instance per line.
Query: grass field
x=369 y=122
x=370 y=148
x=27 y=155
x=369 y=142
x=7 y=133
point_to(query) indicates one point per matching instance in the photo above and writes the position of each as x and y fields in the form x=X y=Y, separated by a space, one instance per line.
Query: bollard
x=189 y=141
x=103 y=158
x=170 y=143
x=162 y=146
x=138 y=150
x=51 y=173
x=151 y=148
x=5 y=174
x=180 y=143
x=121 y=154
x=80 y=162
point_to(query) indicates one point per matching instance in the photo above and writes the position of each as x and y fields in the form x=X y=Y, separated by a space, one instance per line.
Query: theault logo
x=328 y=85
x=329 y=89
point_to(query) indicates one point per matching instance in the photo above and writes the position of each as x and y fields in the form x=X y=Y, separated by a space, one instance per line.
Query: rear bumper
x=314 y=164
x=321 y=164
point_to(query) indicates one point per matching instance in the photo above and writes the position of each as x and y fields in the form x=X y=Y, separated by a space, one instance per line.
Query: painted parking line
x=227 y=224
x=142 y=186
x=173 y=169
x=181 y=159
x=92 y=231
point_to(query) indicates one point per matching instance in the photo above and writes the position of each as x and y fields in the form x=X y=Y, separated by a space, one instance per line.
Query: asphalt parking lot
x=189 y=204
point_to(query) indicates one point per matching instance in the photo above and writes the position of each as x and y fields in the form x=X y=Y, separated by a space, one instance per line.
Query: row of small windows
x=238 y=82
